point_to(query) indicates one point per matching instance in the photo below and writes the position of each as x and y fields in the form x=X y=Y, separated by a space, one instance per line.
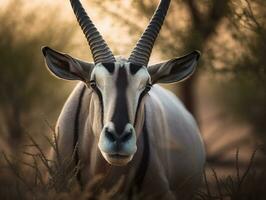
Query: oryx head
x=120 y=83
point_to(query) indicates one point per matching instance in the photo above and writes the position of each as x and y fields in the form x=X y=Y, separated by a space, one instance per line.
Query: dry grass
x=27 y=179
x=37 y=177
x=247 y=184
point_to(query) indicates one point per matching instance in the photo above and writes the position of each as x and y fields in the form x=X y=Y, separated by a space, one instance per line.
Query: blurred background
x=227 y=94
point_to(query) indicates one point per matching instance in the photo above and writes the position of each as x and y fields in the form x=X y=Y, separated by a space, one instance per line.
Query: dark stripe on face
x=94 y=87
x=134 y=68
x=76 y=132
x=109 y=66
x=144 y=162
x=120 y=117
x=98 y=92
x=138 y=105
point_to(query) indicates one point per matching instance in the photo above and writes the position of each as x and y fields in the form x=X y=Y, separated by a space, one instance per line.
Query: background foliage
x=28 y=93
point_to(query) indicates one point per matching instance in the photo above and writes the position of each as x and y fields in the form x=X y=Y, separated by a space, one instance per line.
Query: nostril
x=126 y=136
x=110 y=136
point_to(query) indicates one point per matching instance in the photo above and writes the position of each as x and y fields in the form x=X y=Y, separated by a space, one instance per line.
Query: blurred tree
x=245 y=85
x=26 y=89
x=204 y=25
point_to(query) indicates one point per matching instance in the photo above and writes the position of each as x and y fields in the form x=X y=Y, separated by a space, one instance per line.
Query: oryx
x=125 y=124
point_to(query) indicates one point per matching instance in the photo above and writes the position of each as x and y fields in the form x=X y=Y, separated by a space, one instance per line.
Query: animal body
x=125 y=125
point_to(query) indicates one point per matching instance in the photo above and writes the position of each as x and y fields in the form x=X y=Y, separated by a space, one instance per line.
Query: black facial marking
x=109 y=66
x=120 y=117
x=99 y=94
x=134 y=68
x=93 y=85
x=76 y=133
x=144 y=163
x=144 y=92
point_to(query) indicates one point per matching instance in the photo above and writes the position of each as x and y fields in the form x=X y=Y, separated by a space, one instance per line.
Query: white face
x=120 y=87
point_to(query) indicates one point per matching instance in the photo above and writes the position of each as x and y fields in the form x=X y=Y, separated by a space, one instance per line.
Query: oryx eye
x=148 y=87
x=93 y=84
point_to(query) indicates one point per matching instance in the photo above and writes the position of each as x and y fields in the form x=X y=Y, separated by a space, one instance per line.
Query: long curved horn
x=142 y=51
x=100 y=51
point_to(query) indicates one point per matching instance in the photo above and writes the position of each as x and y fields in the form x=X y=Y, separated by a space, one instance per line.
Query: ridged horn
x=100 y=51
x=142 y=51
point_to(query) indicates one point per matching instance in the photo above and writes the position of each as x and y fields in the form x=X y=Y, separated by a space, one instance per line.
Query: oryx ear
x=174 y=70
x=66 y=67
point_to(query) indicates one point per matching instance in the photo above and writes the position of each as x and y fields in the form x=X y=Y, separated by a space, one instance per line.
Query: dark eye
x=148 y=87
x=93 y=84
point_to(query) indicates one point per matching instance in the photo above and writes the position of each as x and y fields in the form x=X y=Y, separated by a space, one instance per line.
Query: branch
x=230 y=163
x=194 y=12
x=207 y=25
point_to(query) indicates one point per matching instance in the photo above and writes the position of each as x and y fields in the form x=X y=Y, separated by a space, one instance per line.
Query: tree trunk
x=188 y=94
x=14 y=128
